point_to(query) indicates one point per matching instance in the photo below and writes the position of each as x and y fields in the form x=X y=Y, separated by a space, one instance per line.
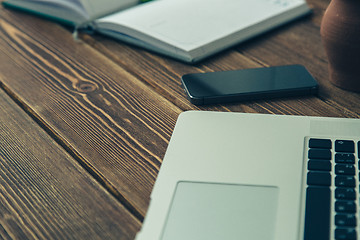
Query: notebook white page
x=189 y=24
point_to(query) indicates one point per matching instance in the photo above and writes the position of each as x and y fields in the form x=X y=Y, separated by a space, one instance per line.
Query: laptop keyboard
x=332 y=190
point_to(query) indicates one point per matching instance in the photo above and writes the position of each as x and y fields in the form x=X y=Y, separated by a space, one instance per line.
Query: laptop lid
x=235 y=175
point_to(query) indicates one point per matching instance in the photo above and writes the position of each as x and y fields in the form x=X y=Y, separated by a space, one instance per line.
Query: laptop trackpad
x=207 y=211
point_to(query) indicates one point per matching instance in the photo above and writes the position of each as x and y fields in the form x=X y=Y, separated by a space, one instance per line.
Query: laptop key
x=319 y=165
x=317 y=213
x=345 y=181
x=320 y=143
x=348 y=220
x=345 y=193
x=344 y=146
x=318 y=178
x=345 y=206
x=345 y=234
x=315 y=153
x=348 y=158
x=345 y=169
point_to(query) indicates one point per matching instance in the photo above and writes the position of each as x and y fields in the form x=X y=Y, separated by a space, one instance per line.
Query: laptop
x=256 y=177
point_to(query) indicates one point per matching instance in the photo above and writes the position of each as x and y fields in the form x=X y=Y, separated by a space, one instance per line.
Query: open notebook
x=188 y=30
x=255 y=177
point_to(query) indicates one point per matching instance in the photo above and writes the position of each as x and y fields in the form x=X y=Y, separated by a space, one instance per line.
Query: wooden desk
x=84 y=125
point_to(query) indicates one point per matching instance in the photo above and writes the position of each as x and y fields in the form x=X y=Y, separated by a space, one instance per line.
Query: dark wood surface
x=45 y=193
x=84 y=124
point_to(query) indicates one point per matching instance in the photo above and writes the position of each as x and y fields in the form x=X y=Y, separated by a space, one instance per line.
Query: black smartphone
x=248 y=84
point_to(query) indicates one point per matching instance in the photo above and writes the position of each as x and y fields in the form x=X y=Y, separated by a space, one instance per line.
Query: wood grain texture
x=115 y=125
x=46 y=194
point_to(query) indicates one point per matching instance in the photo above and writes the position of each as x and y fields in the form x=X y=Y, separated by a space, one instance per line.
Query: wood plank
x=318 y=8
x=161 y=73
x=116 y=125
x=45 y=193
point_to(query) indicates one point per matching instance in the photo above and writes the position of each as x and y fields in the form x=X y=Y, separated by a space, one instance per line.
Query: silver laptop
x=256 y=177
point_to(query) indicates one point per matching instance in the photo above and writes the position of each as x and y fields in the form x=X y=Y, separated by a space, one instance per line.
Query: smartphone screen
x=248 y=84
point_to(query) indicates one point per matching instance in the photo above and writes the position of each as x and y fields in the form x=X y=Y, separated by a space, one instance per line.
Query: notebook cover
x=40 y=14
